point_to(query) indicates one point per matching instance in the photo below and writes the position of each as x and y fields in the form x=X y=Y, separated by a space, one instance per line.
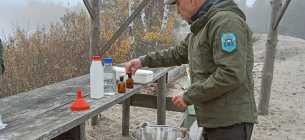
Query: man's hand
x=179 y=101
x=135 y=63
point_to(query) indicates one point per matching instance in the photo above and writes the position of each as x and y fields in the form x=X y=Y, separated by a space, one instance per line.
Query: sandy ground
x=286 y=119
x=110 y=121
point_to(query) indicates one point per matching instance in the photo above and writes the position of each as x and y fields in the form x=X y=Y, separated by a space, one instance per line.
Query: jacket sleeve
x=2 y=69
x=231 y=66
x=174 y=56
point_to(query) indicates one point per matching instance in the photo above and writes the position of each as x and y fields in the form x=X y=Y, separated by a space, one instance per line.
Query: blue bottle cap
x=107 y=60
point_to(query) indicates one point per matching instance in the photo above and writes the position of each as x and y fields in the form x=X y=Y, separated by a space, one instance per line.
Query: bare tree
x=165 y=19
x=131 y=32
x=268 y=68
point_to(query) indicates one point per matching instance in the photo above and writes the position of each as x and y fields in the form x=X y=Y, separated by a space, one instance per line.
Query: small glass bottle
x=129 y=81
x=121 y=84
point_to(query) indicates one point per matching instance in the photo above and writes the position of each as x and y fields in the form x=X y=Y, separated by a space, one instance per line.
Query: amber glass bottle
x=121 y=85
x=129 y=81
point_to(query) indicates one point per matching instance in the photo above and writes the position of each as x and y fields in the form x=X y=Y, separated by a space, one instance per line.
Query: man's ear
x=192 y=2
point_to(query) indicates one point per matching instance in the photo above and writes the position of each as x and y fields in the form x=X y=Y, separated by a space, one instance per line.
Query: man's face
x=185 y=9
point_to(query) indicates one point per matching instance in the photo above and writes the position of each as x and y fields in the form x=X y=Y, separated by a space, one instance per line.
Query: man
x=220 y=57
x=1 y=59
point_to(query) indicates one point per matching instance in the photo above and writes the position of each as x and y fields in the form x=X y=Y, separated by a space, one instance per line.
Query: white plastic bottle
x=97 y=78
x=109 y=77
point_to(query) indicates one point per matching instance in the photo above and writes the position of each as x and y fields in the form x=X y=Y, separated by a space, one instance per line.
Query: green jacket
x=1 y=59
x=220 y=56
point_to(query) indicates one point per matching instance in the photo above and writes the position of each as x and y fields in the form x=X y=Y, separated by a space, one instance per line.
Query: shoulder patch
x=228 y=41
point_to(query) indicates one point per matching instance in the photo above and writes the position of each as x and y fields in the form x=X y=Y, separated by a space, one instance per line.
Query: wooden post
x=161 y=103
x=125 y=117
x=268 y=67
x=87 y=4
x=95 y=30
x=126 y=102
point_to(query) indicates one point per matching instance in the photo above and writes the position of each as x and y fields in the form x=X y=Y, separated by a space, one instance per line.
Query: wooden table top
x=44 y=113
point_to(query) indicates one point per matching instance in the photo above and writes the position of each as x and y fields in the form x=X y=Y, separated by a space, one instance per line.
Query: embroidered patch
x=228 y=41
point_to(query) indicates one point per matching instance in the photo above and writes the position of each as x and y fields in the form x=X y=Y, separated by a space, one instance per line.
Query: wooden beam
x=268 y=67
x=161 y=100
x=282 y=12
x=87 y=4
x=124 y=26
x=95 y=31
x=150 y=101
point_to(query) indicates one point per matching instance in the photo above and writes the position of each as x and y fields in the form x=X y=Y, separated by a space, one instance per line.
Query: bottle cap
x=79 y=104
x=107 y=60
x=96 y=58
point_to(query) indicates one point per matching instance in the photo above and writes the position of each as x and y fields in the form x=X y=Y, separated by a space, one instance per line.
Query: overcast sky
x=31 y=14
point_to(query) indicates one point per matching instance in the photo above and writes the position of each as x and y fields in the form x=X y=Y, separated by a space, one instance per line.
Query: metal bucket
x=159 y=132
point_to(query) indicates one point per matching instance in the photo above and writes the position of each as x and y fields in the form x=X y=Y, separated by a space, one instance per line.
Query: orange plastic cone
x=79 y=104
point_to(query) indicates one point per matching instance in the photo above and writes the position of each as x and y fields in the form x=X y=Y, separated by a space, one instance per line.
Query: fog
x=32 y=14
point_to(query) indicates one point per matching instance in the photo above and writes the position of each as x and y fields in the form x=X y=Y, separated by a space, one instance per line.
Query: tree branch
x=282 y=12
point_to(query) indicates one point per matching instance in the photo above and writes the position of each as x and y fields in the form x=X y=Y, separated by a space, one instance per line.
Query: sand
x=286 y=118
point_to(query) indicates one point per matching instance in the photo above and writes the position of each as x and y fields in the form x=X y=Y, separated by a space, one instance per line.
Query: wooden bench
x=44 y=113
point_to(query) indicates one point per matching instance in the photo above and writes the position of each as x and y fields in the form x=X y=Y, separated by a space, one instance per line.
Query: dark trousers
x=240 y=131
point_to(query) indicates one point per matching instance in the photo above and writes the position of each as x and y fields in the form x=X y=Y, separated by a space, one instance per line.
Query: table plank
x=29 y=104
x=45 y=113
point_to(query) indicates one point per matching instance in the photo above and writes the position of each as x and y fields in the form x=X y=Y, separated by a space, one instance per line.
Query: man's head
x=186 y=8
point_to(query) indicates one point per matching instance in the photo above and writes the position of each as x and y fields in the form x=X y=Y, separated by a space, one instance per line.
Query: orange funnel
x=79 y=104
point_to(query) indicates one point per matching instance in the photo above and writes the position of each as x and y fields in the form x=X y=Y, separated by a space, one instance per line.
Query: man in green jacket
x=1 y=59
x=220 y=57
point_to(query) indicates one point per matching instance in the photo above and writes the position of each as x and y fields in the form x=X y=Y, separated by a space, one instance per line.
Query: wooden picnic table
x=44 y=113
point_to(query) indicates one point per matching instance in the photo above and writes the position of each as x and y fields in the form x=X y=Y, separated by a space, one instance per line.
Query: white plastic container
x=96 y=78
x=140 y=77
x=1 y=124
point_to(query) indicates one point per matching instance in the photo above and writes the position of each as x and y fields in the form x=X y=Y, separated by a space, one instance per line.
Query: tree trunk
x=130 y=28
x=151 y=9
x=165 y=19
x=268 y=67
x=165 y=10
x=143 y=17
